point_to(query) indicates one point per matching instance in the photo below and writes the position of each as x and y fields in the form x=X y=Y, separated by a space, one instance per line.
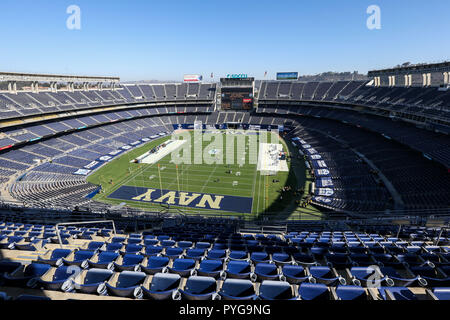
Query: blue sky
x=147 y=39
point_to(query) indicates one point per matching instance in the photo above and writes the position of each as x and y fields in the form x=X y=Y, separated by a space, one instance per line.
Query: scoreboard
x=237 y=93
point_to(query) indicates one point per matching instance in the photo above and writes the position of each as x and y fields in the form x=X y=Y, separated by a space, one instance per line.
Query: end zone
x=184 y=199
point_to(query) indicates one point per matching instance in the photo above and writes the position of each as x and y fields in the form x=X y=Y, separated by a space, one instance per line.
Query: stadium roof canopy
x=441 y=66
x=11 y=76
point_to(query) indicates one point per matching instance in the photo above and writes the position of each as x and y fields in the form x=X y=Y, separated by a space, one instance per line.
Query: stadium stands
x=117 y=273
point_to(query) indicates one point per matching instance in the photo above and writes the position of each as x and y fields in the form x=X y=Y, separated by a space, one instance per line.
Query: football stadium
x=232 y=187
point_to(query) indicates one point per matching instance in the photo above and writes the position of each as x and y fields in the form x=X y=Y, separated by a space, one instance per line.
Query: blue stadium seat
x=219 y=246
x=396 y=293
x=155 y=265
x=78 y=257
x=114 y=247
x=338 y=247
x=163 y=286
x=282 y=259
x=127 y=284
x=89 y=280
x=101 y=260
x=326 y=275
x=32 y=245
x=7 y=267
x=54 y=258
x=216 y=254
x=313 y=291
x=387 y=260
x=150 y=242
x=121 y=240
x=211 y=268
x=304 y=260
x=185 y=244
x=433 y=277
x=356 y=247
x=239 y=270
x=86 y=235
x=276 y=290
x=173 y=253
x=260 y=257
x=8 y=242
x=406 y=280
x=21 y=276
x=319 y=252
x=365 y=276
x=442 y=293
x=203 y=245
x=196 y=254
x=199 y=288
x=134 y=241
x=339 y=260
x=56 y=279
x=153 y=250
x=95 y=245
x=128 y=262
x=351 y=293
x=132 y=248
x=267 y=271
x=237 y=289
x=295 y=274
x=183 y=267
x=410 y=259
x=361 y=260
x=374 y=247
x=238 y=255
x=168 y=243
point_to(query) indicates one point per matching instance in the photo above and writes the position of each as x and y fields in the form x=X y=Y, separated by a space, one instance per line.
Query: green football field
x=242 y=180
